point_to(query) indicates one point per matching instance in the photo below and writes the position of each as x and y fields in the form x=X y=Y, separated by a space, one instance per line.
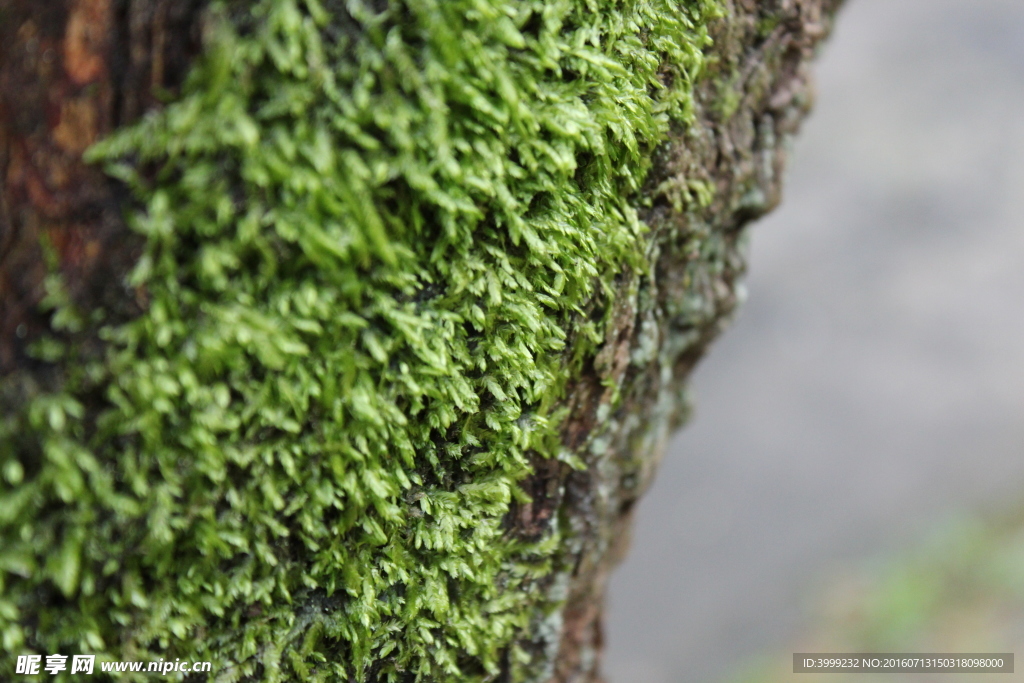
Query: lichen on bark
x=416 y=290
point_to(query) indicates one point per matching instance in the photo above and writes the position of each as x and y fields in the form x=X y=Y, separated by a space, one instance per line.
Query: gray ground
x=874 y=381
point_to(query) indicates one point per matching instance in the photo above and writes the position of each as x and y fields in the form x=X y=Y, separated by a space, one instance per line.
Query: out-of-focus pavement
x=874 y=381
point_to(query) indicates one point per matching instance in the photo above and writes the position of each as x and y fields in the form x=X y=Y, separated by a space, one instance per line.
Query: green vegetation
x=961 y=590
x=378 y=245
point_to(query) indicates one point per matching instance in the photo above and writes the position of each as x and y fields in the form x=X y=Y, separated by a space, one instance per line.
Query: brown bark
x=71 y=71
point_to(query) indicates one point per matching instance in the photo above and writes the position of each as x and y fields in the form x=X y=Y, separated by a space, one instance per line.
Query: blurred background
x=867 y=405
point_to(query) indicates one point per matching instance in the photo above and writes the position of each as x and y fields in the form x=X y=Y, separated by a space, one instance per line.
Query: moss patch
x=371 y=230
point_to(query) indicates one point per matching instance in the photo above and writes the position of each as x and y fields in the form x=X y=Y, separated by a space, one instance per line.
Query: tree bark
x=74 y=71
x=71 y=72
x=750 y=106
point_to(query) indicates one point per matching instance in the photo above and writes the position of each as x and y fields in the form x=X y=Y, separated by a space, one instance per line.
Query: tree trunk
x=99 y=449
x=749 y=106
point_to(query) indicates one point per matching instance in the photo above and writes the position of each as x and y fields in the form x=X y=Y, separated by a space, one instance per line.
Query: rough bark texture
x=72 y=71
x=749 y=107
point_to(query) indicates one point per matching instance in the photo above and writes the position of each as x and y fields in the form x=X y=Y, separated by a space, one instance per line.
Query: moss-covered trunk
x=347 y=350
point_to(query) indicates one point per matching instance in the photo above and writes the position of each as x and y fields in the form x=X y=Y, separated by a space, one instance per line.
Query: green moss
x=767 y=24
x=368 y=237
x=729 y=96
